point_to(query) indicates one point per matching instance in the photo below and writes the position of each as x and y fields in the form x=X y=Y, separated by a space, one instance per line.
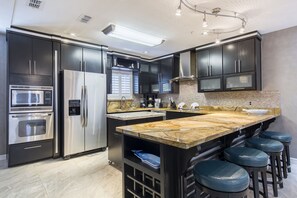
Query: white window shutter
x=122 y=84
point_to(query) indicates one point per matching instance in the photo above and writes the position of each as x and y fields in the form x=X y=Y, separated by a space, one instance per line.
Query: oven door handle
x=30 y=115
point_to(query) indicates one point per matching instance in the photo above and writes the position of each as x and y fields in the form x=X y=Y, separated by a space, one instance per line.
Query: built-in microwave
x=30 y=99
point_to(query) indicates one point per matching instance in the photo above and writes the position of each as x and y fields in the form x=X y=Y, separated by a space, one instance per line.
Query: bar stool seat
x=279 y=136
x=266 y=145
x=254 y=162
x=221 y=176
x=274 y=149
x=246 y=156
x=286 y=139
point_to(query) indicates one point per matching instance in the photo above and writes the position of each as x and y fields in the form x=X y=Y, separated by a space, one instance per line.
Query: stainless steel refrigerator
x=84 y=112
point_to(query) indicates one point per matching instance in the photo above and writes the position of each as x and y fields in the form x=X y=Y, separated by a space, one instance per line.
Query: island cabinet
x=78 y=58
x=180 y=144
x=180 y=114
x=115 y=139
x=30 y=59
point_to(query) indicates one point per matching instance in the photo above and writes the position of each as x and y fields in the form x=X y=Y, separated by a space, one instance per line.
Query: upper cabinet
x=239 y=57
x=28 y=55
x=209 y=62
x=169 y=69
x=230 y=67
x=74 y=57
x=30 y=59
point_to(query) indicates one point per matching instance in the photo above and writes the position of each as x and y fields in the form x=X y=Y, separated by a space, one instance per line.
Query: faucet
x=123 y=102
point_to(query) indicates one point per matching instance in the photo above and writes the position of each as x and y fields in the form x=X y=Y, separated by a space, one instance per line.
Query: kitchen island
x=181 y=143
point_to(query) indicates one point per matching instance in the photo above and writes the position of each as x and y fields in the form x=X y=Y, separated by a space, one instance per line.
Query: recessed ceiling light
x=132 y=35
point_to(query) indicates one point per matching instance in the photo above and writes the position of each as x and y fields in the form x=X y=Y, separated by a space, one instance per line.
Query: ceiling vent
x=34 y=3
x=84 y=18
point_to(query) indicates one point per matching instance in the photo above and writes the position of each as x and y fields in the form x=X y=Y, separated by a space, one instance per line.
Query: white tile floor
x=88 y=176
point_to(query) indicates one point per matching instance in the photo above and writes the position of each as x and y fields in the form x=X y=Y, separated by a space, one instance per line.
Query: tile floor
x=88 y=176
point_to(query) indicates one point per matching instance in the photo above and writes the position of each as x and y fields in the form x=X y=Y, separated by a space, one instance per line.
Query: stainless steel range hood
x=187 y=67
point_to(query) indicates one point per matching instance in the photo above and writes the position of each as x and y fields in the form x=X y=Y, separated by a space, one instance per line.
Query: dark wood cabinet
x=149 y=77
x=29 y=152
x=239 y=57
x=231 y=67
x=209 y=62
x=29 y=55
x=74 y=57
x=30 y=59
x=71 y=57
x=169 y=69
x=115 y=139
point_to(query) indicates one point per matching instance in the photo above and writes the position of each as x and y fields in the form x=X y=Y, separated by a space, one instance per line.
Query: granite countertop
x=192 y=131
x=135 y=115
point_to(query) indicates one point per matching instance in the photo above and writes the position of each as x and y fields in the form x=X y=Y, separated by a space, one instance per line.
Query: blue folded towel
x=147 y=158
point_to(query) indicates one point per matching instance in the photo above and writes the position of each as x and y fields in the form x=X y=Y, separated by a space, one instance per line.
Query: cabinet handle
x=34 y=67
x=235 y=66
x=210 y=70
x=239 y=66
x=30 y=67
x=81 y=65
x=85 y=65
x=32 y=147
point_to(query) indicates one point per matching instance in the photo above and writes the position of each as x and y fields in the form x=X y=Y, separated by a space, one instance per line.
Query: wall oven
x=30 y=127
x=30 y=99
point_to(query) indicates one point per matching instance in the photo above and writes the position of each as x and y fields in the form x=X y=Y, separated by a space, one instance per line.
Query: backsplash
x=188 y=94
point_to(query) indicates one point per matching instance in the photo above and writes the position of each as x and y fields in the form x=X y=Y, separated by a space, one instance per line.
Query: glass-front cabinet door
x=240 y=82
x=210 y=84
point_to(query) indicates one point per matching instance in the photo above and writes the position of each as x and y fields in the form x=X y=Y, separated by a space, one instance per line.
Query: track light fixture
x=216 y=13
x=204 y=23
x=178 y=10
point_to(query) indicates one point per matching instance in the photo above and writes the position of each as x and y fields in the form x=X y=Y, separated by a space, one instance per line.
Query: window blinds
x=121 y=84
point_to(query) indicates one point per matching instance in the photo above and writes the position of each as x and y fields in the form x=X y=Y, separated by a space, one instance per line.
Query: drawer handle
x=32 y=147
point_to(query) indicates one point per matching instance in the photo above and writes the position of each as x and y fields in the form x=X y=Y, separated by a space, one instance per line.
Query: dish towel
x=147 y=158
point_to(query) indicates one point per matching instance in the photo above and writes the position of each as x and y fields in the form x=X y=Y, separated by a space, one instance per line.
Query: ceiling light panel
x=127 y=34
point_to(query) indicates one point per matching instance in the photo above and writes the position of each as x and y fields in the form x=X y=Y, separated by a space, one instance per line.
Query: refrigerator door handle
x=82 y=108
x=86 y=107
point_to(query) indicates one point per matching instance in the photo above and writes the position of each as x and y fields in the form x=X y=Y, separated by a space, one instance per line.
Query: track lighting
x=178 y=10
x=242 y=29
x=204 y=23
x=218 y=41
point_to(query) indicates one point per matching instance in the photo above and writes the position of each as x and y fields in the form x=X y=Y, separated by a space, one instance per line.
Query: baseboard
x=2 y=157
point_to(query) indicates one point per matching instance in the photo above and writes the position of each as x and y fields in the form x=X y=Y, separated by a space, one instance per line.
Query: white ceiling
x=149 y=16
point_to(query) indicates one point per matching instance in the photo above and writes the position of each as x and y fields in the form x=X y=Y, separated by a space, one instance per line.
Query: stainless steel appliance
x=84 y=112
x=30 y=98
x=30 y=127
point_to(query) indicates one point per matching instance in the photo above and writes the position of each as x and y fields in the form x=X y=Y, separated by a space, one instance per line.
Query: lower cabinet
x=29 y=152
x=115 y=139
x=175 y=114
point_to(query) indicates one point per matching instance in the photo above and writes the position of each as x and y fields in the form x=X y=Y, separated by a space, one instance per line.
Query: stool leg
x=255 y=183
x=279 y=169
x=285 y=167
x=287 y=148
x=273 y=170
x=264 y=183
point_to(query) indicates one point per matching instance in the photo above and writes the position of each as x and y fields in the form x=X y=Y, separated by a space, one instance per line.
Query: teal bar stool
x=254 y=162
x=221 y=179
x=274 y=149
x=286 y=139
